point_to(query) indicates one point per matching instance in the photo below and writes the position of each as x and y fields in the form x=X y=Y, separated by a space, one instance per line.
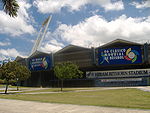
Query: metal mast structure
x=41 y=34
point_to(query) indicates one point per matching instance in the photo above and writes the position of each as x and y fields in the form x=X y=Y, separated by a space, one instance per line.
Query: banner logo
x=126 y=55
x=40 y=63
x=131 y=55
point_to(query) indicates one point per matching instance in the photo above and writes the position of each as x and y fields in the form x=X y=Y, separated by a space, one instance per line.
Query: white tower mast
x=41 y=34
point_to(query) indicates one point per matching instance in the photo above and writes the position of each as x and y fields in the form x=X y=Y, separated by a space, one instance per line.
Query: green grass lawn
x=58 y=90
x=126 y=98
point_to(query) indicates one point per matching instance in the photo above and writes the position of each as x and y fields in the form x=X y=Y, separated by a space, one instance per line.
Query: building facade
x=117 y=63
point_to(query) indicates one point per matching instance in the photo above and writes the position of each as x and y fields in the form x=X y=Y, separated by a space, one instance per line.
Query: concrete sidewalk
x=18 y=106
x=13 y=90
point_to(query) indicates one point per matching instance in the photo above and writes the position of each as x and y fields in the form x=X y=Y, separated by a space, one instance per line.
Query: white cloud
x=48 y=47
x=144 y=4
x=95 y=31
x=94 y=12
x=51 y=44
x=9 y=53
x=52 y=6
x=20 y=24
x=114 y=6
x=5 y=43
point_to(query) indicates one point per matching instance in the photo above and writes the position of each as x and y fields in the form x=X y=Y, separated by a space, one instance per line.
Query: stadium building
x=117 y=63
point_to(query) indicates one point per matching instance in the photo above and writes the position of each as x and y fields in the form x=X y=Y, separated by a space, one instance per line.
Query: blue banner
x=125 y=55
x=40 y=63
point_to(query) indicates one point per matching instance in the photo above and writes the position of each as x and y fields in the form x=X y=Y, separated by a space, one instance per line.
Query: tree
x=10 y=7
x=67 y=70
x=13 y=72
x=1 y=81
x=22 y=73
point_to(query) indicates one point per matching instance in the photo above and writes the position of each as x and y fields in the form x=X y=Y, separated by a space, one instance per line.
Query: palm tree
x=10 y=7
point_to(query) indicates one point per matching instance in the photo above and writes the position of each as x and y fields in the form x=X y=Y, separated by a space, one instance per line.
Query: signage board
x=124 y=55
x=118 y=73
x=122 y=80
x=40 y=63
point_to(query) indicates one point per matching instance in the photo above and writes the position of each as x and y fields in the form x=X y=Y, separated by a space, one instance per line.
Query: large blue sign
x=40 y=63
x=125 y=55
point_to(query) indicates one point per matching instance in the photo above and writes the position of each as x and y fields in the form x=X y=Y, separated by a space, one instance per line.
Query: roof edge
x=69 y=46
x=120 y=40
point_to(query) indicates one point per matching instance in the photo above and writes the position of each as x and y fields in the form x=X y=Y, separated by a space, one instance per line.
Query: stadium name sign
x=125 y=55
x=118 y=73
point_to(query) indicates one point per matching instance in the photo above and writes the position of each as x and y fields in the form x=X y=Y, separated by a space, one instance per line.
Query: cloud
x=9 y=53
x=94 y=12
x=48 y=47
x=5 y=43
x=96 y=30
x=114 y=6
x=19 y=25
x=51 y=43
x=53 y=6
x=144 y=4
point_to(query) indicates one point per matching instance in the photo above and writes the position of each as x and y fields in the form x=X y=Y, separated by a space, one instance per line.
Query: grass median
x=125 y=98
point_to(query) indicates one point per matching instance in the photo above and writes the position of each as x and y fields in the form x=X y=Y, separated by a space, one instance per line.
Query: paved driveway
x=18 y=106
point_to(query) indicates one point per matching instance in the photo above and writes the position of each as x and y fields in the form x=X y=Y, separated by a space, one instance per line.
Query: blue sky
x=87 y=23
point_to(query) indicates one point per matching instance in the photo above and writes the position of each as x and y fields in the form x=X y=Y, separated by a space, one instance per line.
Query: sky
x=86 y=23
